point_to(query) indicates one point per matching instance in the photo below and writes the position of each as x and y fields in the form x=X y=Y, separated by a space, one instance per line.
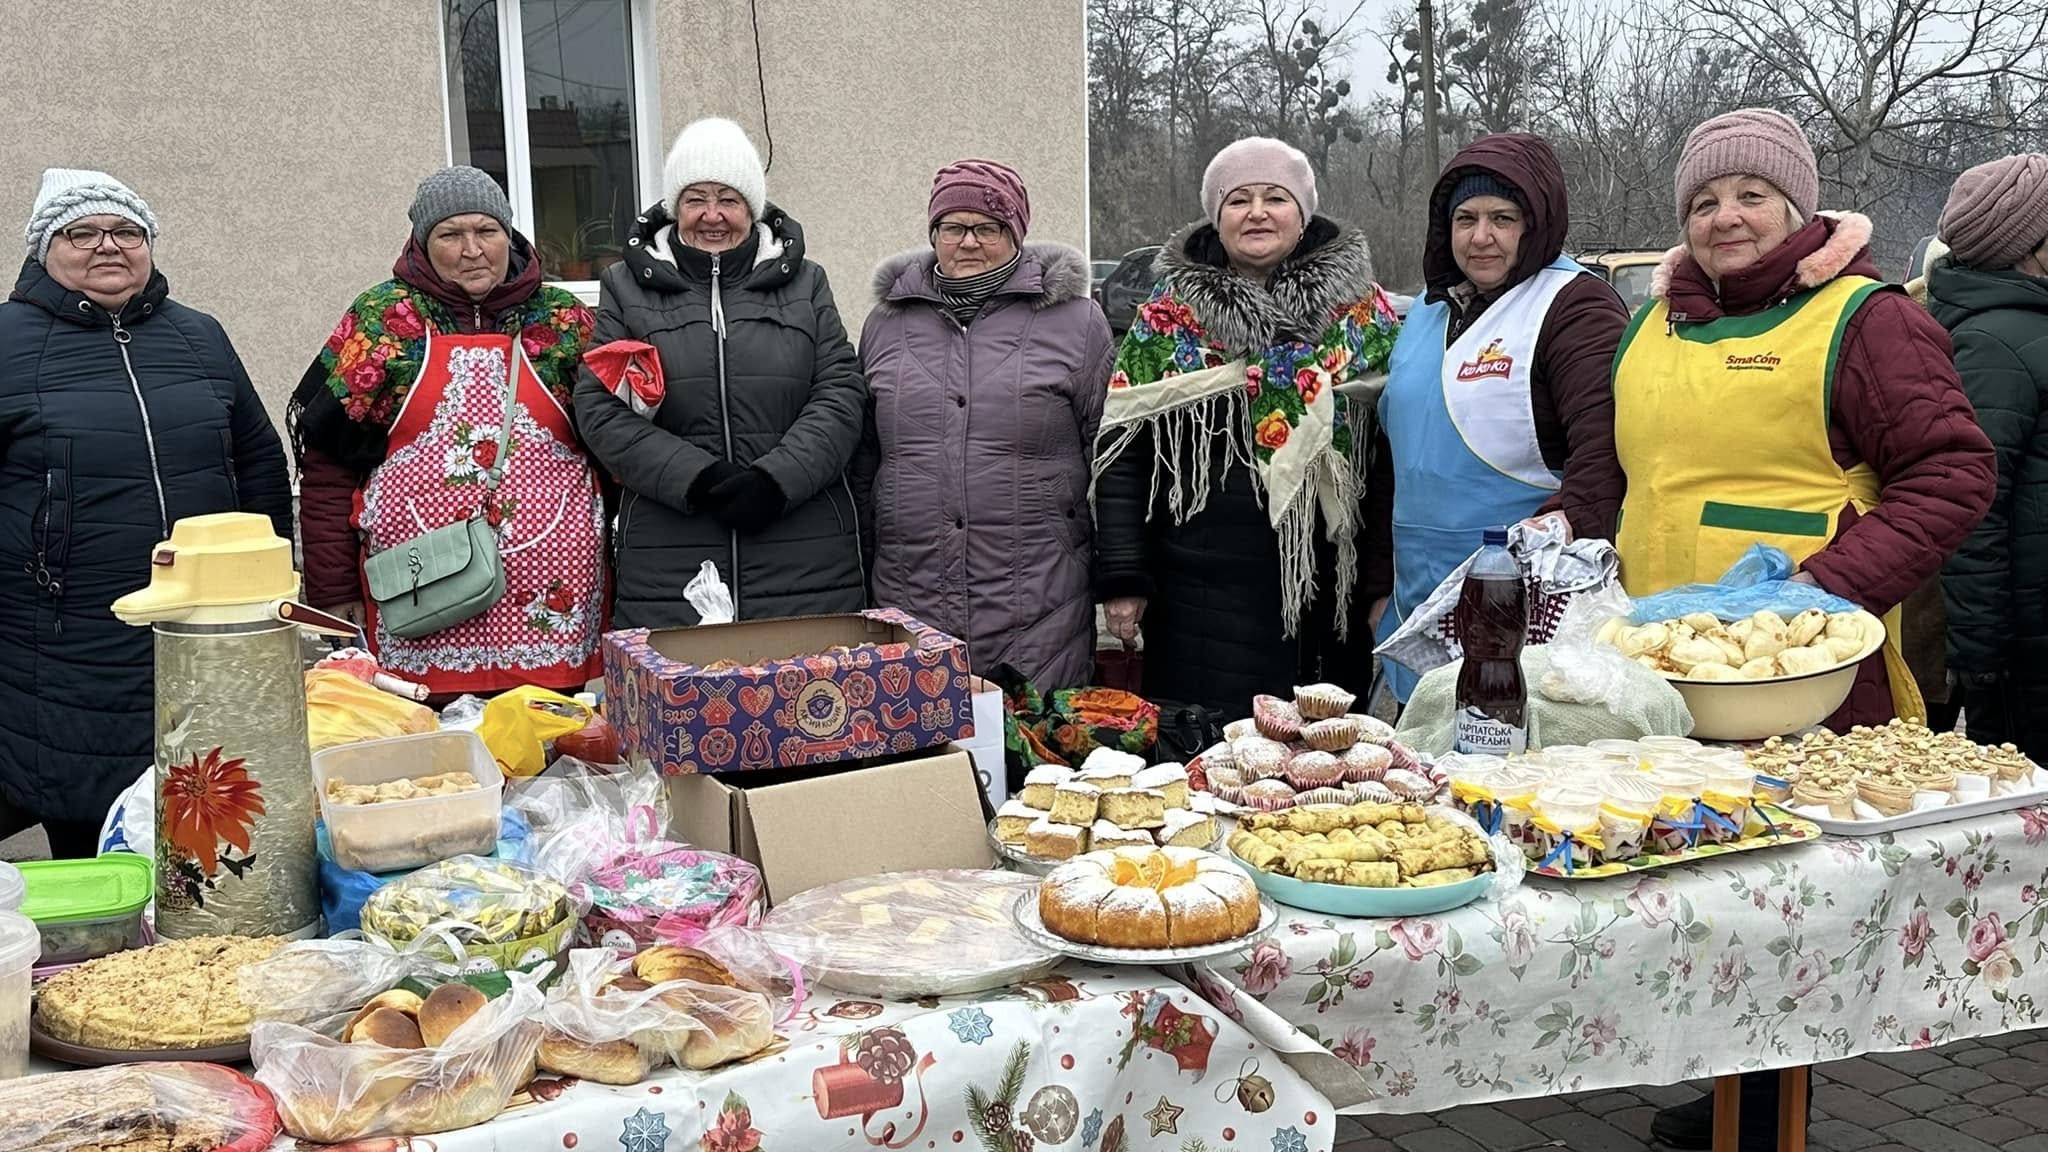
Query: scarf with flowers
x=1216 y=365
x=374 y=354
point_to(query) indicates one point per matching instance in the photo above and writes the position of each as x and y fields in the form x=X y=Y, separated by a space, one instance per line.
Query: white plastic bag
x=708 y=594
x=1583 y=670
x=319 y=984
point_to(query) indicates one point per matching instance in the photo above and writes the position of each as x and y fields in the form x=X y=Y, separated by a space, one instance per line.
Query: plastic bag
x=330 y=1092
x=135 y=1105
x=130 y=825
x=502 y=916
x=591 y=802
x=1643 y=704
x=343 y=890
x=1555 y=571
x=631 y=371
x=708 y=594
x=688 y=1023
x=633 y=884
x=1583 y=670
x=341 y=709
x=319 y=984
x=903 y=935
x=1760 y=581
x=749 y=955
x=463 y=714
x=518 y=724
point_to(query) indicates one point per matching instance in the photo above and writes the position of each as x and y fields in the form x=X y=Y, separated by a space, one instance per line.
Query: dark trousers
x=69 y=839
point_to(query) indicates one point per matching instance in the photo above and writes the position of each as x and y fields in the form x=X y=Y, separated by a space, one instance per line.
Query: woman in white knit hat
x=121 y=412
x=1236 y=524
x=743 y=459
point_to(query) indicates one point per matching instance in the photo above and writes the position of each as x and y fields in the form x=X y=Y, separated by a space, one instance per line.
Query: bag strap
x=503 y=461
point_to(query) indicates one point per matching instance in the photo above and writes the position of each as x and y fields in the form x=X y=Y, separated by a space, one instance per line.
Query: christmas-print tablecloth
x=1777 y=958
x=1092 y=1059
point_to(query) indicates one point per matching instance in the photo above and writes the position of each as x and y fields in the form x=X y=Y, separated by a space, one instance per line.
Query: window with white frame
x=551 y=97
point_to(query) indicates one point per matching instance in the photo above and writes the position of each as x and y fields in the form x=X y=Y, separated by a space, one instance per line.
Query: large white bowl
x=1779 y=706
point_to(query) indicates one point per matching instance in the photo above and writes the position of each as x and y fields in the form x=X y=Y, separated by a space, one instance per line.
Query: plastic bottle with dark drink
x=1492 y=619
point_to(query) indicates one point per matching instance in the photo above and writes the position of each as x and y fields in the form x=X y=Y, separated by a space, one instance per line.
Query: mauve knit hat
x=985 y=186
x=1259 y=160
x=1998 y=212
x=1750 y=142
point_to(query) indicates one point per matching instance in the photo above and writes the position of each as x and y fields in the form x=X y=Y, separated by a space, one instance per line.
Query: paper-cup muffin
x=1323 y=701
x=1260 y=759
x=1268 y=795
x=1218 y=756
x=1315 y=769
x=1371 y=792
x=1322 y=796
x=1239 y=729
x=1334 y=735
x=1363 y=762
x=1371 y=729
x=1276 y=719
x=1410 y=785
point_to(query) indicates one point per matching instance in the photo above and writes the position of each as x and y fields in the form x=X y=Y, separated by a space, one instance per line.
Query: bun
x=397 y=999
x=446 y=1009
x=389 y=1027
x=729 y=1027
x=618 y=1062
x=666 y=962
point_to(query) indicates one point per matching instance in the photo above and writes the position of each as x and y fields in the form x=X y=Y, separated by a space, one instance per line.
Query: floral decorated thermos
x=234 y=788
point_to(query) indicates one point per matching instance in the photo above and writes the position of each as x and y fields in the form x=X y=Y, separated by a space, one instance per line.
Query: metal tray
x=1790 y=830
x=1034 y=929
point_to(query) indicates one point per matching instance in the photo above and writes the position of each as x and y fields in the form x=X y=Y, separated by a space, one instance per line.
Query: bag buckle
x=413 y=561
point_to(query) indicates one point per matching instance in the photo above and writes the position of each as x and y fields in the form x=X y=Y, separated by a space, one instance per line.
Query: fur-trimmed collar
x=1049 y=273
x=1849 y=238
x=1332 y=268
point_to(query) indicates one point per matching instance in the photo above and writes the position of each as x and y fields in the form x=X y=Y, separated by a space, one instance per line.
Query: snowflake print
x=1091 y=1128
x=1290 y=1139
x=645 y=1131
x=971 y=1025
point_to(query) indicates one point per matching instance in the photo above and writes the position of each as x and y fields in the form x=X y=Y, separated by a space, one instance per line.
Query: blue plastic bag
x=343 y=890
x=1760 y=581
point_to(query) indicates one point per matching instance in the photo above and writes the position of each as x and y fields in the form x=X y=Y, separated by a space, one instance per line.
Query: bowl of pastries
x=1879 y=773
x=1313 y=749
x=1113 y=800
x=1760 y=676
x=1366 y=859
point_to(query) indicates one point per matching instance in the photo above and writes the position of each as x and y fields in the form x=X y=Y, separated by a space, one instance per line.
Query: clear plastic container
x=20 y=944
x=12 y=887
x=1737 y=781
x=1670 y=744
x=398 y=835
x=1679 y=782
x=85 y=909
x=1572 y=807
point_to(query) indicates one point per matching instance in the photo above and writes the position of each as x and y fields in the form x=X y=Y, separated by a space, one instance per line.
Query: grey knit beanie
x=1997 y=213
x=1750 y=142
x=457 y=191
x=70 y=194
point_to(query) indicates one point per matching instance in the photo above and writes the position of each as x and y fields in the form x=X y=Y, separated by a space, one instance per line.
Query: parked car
x=1126 y=287
x=1099 y=271
x=1922 y=253
x=1628 y=269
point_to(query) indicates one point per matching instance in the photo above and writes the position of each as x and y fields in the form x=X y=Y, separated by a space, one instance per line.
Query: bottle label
x=1480 y=734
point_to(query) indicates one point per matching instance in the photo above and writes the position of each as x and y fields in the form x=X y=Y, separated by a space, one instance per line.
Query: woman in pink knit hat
x=1991 y=293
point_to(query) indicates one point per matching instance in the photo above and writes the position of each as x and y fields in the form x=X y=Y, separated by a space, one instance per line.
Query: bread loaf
x=397 y=999
x=446 y=1009
x=389 y=1027
x=619 y=1062
x=667 y=962
x=728 y=1025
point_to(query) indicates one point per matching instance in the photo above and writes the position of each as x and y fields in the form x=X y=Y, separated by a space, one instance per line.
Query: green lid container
x=87 y=908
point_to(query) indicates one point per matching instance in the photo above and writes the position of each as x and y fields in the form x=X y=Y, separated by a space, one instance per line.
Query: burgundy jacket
x=1571 y=390
x=1898 y=406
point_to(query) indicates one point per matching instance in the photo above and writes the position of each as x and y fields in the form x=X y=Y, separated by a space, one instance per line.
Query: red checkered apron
x=548 y=516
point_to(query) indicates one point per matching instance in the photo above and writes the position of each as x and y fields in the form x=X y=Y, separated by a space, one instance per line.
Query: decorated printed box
x=783 y=693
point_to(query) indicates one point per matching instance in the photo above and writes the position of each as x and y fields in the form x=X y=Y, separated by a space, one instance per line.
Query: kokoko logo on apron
x=1493 y=360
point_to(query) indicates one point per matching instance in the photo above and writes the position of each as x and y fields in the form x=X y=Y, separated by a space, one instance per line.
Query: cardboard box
x=921 y=811
x=805 y=690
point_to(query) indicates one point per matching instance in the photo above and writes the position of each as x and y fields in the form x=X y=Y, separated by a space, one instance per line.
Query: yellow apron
x=1722 y=429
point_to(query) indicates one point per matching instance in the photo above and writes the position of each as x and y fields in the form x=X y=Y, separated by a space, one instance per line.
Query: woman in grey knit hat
x=400 y=427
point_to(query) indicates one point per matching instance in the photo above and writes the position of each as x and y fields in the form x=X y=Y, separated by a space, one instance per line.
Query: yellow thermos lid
x=223 y=568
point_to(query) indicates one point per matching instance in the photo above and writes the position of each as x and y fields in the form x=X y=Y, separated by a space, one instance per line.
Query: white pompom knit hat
x=715 y=151
x=69 y=194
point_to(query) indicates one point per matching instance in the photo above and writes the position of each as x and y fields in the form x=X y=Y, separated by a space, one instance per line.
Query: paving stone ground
x=1974 y=1096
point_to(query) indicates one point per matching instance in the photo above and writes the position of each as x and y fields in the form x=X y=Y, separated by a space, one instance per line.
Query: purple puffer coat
x=977 y=469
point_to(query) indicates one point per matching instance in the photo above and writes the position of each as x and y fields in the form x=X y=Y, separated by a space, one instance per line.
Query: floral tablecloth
x=1090 y=1060
x=1776 y=958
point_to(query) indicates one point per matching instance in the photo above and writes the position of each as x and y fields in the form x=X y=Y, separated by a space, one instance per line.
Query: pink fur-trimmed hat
x=1259 y=160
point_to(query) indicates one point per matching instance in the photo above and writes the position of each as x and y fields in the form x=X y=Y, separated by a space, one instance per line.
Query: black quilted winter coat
x=111 y=430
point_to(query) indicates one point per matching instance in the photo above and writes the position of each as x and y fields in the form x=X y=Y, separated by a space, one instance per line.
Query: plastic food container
x=1572 y=807
x=398 y=835
x=1681 y=784
x=20 y=944
x=84 y=909
x=1670 y=744
x=12 y=887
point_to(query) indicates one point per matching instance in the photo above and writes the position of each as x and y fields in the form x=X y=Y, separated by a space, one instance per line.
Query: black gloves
x=714 y=474
x=746 y=500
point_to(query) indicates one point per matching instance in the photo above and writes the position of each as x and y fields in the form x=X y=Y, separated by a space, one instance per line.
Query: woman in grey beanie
x=400 y=428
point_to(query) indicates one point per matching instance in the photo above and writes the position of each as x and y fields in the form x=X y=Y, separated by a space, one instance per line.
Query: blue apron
x=1465 y=451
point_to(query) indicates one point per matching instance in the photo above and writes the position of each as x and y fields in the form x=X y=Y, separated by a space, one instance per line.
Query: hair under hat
x=1258 y=160
x=1997 y=213
x=1749 y=142
x=70 y=194
x=458 y=190
x=985 y=186
x=715 y=151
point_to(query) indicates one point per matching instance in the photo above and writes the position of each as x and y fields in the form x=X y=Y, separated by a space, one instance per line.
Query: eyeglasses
x=85 y=236
x=984 y=233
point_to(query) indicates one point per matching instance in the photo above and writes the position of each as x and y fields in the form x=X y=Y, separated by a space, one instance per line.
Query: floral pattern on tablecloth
x=1788 y=956
x=1091 y=1059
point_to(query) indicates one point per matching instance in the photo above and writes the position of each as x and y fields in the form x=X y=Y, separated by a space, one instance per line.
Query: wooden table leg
x=1793 y=1085
x=1728 y=1114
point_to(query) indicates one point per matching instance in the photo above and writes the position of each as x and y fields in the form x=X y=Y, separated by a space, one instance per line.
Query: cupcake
x=1330 y=735
x=1372 y=729
x=1323 y=796
x=1404 y=757
x=1371 y=792
x=1315 y=770
x=1363 y=762
x=1259 y=758
x=1218 y=756
x=1276 y=719
x=1409 y=785
x=1239 y=729
x=1268 y=795
x=1839 y=799
x=1323 y=701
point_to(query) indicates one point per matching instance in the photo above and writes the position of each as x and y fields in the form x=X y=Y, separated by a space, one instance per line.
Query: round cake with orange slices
x=1149 y=898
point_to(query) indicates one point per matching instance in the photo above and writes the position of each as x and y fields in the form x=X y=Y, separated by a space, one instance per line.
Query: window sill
x=584 y=290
